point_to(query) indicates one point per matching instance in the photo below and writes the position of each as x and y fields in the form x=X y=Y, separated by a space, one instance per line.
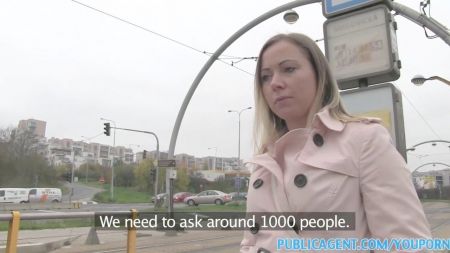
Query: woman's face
x=288 y=82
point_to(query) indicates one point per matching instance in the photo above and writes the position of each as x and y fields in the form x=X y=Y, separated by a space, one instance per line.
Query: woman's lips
x=281 y=98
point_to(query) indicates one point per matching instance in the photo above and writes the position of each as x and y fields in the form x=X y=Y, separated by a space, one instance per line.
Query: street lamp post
x=87 y=160
x=112 y=163
x=73 y=165
x=239 y=144
x=215 y=157
x=71 y=176
x=419 y=79
x=134 y=145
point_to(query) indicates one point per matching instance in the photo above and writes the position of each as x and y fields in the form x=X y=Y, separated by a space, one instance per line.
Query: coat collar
x=322 y=122
x=324 y=117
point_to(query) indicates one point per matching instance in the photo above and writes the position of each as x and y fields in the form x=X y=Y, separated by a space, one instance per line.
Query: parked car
x=180 y=196
x=177 y=197
x=208 y=197
x=240 y=196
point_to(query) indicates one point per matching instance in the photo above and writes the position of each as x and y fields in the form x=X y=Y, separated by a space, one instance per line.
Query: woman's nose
x=277 y=82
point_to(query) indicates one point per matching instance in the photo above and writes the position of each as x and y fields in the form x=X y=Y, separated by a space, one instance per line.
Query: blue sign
x=237 y=182
x=334 y=7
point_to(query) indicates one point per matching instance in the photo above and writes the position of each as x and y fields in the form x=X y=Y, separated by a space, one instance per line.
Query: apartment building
x=36 y=127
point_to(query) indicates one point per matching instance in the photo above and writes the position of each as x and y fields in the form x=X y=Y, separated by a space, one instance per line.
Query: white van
x=13 y=195
x=36 y=195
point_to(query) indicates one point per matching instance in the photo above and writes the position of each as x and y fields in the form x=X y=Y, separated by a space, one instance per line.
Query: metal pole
x=131 y=236
x=215 y=159
x=425 y=142
x=157 y=151
x=433 y=163
x=239 y=156
x=440 y=79
x=239 y=140
x=13 y=233
x=73 y=165
x=156 y=167
x=239 y=147
x=112 y=162
x=73 y=171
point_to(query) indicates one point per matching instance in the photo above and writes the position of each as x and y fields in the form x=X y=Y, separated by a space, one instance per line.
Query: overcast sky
x=69 y=65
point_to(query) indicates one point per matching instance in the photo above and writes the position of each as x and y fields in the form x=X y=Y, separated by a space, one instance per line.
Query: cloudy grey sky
x=69 y=65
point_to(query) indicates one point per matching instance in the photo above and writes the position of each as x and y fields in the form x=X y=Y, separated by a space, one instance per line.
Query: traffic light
x=152 y=175
x=68 y=176
x=144 y=154
x=107 y=129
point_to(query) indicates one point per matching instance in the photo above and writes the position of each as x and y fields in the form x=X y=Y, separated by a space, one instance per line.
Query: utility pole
x=157 y=151
x=239 y=147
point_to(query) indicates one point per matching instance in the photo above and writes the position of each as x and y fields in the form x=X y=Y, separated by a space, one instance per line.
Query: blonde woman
x=312 y=156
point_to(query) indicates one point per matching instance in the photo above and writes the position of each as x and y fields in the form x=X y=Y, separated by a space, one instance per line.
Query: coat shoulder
x=367 y=127
x=359 y=134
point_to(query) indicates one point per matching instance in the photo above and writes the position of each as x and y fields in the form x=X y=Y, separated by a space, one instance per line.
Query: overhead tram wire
x=421 y=116
x=162 y=36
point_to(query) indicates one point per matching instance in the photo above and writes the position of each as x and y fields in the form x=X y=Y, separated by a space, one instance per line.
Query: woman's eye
x=265 y=78
x=289 y=69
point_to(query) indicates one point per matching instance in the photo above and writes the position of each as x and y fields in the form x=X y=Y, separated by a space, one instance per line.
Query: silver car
x=208 y=197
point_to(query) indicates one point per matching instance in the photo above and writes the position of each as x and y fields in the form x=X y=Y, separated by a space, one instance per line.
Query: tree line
x=21 y=165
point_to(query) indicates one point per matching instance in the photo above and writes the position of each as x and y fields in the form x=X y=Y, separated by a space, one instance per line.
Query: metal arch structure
x=422 y=20
x=216 y=55
x=425 y=142
x=425 y=164
x=414 y=16
x=410 y=14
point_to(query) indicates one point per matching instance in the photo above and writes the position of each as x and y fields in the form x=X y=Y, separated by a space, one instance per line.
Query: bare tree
x=5 y=134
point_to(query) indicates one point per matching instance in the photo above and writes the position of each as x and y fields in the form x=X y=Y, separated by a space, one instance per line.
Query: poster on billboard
x=425 y=182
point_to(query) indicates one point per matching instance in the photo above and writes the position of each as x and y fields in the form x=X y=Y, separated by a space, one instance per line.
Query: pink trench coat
x=335 y=167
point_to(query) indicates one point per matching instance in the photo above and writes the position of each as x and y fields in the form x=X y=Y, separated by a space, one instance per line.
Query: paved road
x=80 y=192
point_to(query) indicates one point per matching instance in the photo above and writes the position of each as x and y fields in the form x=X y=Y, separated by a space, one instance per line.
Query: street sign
x=237 y=182
x=361 y=47
x=172 y=174
x=166 y=163
x=331 y=8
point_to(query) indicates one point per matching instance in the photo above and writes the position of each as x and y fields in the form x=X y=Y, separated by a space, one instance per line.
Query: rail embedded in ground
x=15 y=217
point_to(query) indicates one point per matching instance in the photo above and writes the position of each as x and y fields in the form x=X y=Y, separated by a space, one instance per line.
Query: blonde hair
x=268 y=127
